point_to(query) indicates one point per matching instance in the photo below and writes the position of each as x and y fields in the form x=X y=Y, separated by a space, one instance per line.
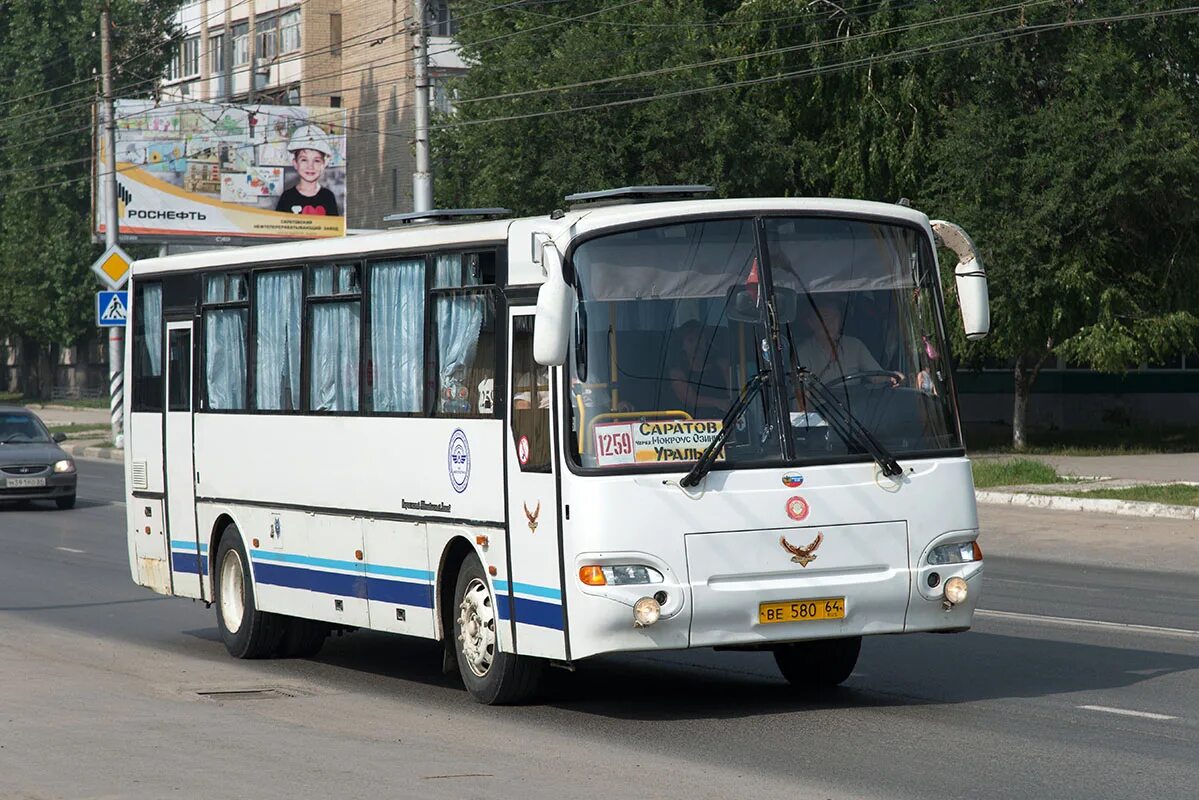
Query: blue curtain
x=334 y=365
x=459 y=320
x=225 y=358
x=277 y=374
x=152 y=326
x=397 y=335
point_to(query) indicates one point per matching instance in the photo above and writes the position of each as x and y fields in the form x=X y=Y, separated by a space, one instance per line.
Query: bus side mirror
x=971 y=278
x=551 y=334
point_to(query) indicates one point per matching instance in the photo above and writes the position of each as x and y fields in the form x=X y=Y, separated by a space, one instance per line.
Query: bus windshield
x=672 y=326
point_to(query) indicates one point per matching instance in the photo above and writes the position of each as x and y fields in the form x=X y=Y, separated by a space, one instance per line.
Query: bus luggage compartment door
x=744 y=583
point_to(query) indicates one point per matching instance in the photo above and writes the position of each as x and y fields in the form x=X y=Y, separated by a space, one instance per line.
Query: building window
x=335 y=34
x=190 y=57
x=441 y=22
x=289 y=25
x=444 y=95
x=266 y=41
x=216 y=54
x=241 y=44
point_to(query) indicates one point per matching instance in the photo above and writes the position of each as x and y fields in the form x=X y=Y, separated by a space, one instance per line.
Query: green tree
x=50 y=57
x=1067 y=148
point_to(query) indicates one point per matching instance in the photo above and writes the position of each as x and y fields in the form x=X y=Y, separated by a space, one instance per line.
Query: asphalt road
x=1077 y=682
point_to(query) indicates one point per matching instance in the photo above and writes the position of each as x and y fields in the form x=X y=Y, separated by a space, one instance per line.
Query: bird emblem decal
x=802 y=555
x=532 y=516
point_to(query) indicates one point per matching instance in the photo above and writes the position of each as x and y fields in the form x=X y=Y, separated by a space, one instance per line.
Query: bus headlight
x=646 y=612
x=956 y=553
x=618 y=574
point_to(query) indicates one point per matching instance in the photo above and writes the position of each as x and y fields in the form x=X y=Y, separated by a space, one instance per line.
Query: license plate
x=802 y=610
x=18 y=483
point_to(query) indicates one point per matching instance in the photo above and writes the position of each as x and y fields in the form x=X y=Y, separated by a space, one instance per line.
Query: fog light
x=646 y=612
x=955 y=590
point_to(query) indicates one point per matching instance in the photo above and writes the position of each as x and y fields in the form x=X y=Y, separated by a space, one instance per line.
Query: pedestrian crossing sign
x=112 y=308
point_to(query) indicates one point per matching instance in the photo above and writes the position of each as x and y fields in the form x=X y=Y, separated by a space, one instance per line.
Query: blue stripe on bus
x=529 y=588
x=191 y=547
x=531 y=612
x=189 y=562
x=332 y=563
x=402 y=593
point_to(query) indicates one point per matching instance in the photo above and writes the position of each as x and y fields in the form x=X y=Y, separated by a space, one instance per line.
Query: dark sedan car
x=32 y=465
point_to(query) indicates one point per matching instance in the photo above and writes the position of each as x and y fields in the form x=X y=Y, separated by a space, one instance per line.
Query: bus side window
x=463 y=330
x=530 y=384
x=147 y=347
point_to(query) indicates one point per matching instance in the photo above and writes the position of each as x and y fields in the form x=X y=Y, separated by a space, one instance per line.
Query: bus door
x=532 y=597
x=187 y=561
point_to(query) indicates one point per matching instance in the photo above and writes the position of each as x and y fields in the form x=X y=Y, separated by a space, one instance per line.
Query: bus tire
x=302 y=638
x=246 y=631
x=818 y=664
x=490 y=676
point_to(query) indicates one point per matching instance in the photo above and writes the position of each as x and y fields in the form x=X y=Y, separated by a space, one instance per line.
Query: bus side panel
x=143 y=474
x=399 y=583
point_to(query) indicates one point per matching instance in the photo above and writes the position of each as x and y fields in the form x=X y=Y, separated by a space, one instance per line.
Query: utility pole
x=422 y=179
x=116 y=336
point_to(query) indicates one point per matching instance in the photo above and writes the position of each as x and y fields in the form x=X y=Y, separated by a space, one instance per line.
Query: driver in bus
x=699 y=381
x=830 y=353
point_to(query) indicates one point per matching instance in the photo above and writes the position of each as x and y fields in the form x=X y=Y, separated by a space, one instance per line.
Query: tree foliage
x=50 y=58
x=1065 y=145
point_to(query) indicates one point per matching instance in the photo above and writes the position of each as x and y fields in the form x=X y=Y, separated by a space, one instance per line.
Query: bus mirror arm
x=971 y=278
x=551 y=333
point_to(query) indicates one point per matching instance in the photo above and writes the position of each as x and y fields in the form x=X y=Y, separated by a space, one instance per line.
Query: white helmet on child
x=310 y=137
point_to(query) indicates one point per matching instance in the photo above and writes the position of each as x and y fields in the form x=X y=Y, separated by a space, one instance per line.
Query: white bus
x=640 y=424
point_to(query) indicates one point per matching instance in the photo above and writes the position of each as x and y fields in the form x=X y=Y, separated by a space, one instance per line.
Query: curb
x=1130 y=508
x=98 y=453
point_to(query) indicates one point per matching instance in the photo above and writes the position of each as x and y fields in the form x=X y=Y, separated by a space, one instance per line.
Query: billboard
x=194 y=171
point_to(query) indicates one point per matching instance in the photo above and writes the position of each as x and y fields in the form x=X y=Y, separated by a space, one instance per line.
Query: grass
x=78 y=430
x=87 y=402
x=1012 y=472
x=1115 y=442
x=1175 y=494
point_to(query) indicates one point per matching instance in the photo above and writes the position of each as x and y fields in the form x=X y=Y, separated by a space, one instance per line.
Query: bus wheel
x=302 y=638
x=490 y=676
x=819 y=664
x=246 y=631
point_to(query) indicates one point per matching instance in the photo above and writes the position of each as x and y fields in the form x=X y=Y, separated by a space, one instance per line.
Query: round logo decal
x=522 y=450
x=797 y=508
x=459 y=461
x=792 y=480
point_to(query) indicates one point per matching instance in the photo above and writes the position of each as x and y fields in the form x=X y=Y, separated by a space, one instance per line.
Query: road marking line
x=1129 y=627
x=1127 y=713
x=70 y=550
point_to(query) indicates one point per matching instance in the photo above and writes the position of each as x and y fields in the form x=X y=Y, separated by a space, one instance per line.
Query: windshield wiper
x=704 y=464
x=847 y=425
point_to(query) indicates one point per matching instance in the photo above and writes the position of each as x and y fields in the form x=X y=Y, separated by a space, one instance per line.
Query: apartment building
x=352 y=54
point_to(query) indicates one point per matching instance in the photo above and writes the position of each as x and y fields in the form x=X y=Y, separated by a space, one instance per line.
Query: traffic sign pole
x=116 y=336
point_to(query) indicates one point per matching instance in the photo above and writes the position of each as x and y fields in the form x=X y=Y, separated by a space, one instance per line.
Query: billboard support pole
x=116 y=336
x=422 y=179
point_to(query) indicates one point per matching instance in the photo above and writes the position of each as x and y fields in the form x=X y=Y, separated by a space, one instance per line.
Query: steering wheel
x=870 y=373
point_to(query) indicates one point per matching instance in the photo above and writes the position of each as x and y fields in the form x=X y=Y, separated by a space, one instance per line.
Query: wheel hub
x=476 y=624
x=233 y=602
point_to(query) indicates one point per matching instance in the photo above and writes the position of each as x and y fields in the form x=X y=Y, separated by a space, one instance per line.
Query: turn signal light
x=592 y=575
x=978 y=552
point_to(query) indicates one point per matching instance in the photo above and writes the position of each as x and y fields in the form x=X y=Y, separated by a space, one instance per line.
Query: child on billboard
x=309 y=148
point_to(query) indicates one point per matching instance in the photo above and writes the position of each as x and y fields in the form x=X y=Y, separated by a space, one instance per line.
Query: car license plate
x=20 y=483
x=802 y=610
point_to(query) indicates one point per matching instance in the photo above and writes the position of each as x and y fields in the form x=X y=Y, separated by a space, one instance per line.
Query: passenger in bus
x=529 y=385
x=699 y=381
